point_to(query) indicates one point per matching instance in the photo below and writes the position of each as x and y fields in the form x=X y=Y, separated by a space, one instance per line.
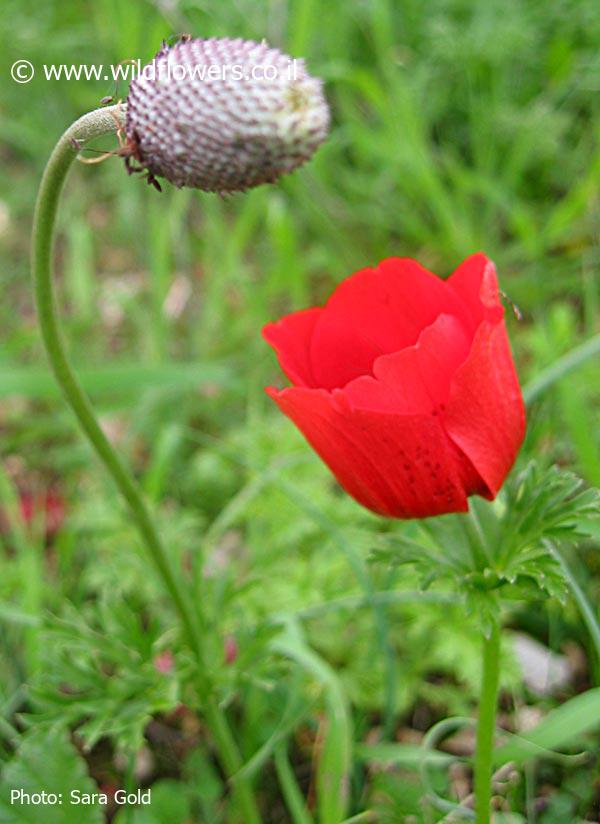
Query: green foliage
x=503 y=548
x=34 y=771
x=551 y=505
x=335 y=756
x=102 y=678
x=457 y=125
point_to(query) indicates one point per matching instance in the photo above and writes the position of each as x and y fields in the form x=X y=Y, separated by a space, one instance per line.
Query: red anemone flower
x=405 y=386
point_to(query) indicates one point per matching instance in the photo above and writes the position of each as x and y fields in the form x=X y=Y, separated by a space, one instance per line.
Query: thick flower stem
x=93 y=124
x=486 y=725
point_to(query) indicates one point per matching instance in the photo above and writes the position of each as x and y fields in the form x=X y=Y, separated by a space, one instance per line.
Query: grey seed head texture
x=202 y=115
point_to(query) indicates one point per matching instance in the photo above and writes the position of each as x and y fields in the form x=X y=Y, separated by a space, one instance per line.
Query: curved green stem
x=93 y=124
x=486 y=725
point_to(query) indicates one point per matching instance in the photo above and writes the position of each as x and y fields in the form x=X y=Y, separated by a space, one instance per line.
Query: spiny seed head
x=224 y=115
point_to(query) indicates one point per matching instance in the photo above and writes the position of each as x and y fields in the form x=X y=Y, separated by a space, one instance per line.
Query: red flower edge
x=405 y=386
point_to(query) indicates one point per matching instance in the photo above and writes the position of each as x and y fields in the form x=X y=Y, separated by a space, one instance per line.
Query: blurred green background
x=458 y=125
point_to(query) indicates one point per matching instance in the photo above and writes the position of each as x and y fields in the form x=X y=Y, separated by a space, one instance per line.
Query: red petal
x=290 y=338
x=376 y=312
x=485 y=414
x=401 y=466
x=475 y=282
x=416 y=380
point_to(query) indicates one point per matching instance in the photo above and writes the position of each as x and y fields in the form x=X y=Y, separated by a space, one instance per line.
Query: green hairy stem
x=486 y=725
x=94 y=124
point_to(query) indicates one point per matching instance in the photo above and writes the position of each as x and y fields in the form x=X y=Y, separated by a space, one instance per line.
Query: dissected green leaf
x=100 y=675
x=501 y=549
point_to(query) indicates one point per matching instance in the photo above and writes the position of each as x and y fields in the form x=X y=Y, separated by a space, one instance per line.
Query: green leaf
x=99 y=674
x=46 y=761
x=335 y=757
x=562 y=727
x=501 y=549
x=544 y=504
x=402 y=755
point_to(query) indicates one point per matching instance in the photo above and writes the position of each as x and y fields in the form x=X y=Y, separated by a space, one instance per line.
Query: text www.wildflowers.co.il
x=22 y=71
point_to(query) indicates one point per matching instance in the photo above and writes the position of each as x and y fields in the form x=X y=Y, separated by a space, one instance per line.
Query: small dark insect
x=129 y=149
x=177 y=38
x=516 y=311
x=108 y=99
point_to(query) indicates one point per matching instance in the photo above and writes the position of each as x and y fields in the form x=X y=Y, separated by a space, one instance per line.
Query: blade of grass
x=587 y=612
x=289 y=787
x=563 y=366
x=335 y=758
x=561 y=727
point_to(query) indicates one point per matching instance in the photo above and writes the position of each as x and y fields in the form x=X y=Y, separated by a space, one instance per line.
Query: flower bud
x=223 y=115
